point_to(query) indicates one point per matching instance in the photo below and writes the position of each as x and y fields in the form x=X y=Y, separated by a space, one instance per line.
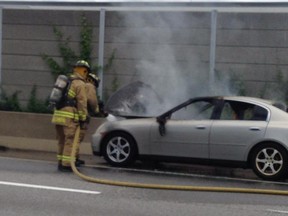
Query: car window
x=234 y=110
x=228 y=112
x=197 y=110
x=259 y=114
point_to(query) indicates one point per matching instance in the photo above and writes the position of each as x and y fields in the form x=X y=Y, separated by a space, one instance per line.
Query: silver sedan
x=231 y=131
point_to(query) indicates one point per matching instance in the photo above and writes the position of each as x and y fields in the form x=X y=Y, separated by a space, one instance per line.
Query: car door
x=240 y=125
x=187 y=132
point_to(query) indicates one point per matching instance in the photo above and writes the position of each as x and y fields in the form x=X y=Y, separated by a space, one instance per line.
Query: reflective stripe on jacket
x=66 y=114
x=76 y=91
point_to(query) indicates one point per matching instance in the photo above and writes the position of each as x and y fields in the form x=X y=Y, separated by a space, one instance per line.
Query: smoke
x=174 y=58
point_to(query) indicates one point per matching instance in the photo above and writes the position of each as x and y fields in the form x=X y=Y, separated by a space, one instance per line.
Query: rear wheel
x=269 y=161
x=119 y=149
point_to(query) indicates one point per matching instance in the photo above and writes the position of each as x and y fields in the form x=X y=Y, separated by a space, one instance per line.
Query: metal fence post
x=1 y=37
x=212 y=48
x=101 y=51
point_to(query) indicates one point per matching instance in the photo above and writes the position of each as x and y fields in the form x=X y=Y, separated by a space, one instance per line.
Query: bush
x=35 y=105
x=10 y=103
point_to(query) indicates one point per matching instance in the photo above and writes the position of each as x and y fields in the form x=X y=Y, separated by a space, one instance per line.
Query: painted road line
x=48 y=187
x=277 y=211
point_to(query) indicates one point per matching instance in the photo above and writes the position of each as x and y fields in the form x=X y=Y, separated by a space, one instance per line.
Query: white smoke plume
x=175 y=69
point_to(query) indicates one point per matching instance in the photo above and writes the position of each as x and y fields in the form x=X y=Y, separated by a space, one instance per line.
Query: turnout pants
x=65 y=136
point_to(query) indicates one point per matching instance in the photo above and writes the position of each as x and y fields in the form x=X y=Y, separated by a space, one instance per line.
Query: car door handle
x=254 y=128
x=201 y=127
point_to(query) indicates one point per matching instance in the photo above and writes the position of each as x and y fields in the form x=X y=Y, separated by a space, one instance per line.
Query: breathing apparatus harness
x=65 y=100
x=59 y=97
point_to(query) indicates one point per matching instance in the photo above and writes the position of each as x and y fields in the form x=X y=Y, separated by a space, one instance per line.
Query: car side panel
x=231 y=140
x=277 y=131
x=183 y=138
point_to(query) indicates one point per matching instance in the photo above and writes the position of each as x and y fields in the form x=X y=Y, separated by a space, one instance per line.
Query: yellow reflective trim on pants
x=68 y=159
x=59 y=157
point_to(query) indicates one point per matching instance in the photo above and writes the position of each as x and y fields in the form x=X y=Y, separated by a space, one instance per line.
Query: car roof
x=238 y=98
x=249 y=99
x=278 y=113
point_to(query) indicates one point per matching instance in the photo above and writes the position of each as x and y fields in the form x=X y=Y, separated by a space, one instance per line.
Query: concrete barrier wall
x=35 y=132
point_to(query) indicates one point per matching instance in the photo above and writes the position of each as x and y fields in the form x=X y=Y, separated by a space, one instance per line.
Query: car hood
x=134 y=100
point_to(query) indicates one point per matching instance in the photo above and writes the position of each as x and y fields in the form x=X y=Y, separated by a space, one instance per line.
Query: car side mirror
x=162 y=122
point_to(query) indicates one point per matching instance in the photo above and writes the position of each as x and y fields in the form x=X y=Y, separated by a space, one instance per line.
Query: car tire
x=269 y=161
x=119 y=149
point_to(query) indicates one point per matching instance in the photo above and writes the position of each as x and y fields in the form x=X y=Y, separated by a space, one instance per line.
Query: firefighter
x=91 y=86
x=72 y=114
x=92 y=83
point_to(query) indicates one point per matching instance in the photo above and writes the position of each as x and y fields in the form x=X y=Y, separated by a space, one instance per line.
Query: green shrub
x=10 y=103
x=35 y=105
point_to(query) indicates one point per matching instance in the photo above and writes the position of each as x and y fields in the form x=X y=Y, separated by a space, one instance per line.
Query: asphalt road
x=35 y=187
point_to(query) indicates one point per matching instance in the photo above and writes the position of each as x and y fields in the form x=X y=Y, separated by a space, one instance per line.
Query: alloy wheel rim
x=269 y=161
x=118 y=149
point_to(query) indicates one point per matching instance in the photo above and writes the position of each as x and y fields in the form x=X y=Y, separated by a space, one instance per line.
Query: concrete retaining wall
x=30 y=131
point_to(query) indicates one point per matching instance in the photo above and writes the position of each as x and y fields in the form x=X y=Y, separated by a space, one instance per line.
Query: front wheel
x=269 y=161
x=119 y=149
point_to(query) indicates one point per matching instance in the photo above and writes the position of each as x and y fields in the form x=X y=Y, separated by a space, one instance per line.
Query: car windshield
x=135 y=99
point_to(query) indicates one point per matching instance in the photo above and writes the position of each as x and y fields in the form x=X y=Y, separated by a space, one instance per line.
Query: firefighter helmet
x=83 y=63
x=92 y=78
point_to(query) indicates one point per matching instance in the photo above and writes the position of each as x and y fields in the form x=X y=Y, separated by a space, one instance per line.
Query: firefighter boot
x=64 y=168
x=79 y=162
